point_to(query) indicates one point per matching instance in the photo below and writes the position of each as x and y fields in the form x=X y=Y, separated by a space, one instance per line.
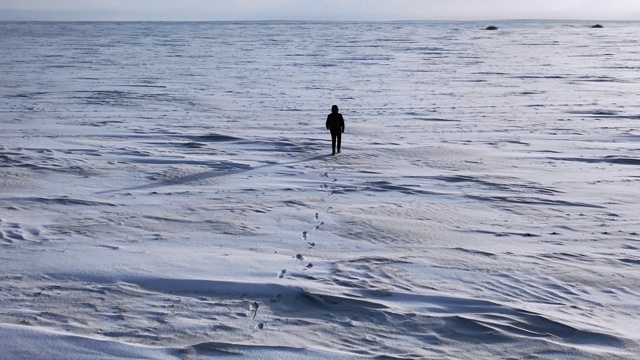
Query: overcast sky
x=211 y=10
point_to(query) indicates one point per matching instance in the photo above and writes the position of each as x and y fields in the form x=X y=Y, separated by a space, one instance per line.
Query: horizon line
x=332 y=21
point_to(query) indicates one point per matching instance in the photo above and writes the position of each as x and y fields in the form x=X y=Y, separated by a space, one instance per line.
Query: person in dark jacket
x=335 y=124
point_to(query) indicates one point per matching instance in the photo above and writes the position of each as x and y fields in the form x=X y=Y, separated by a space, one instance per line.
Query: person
x=335 y=124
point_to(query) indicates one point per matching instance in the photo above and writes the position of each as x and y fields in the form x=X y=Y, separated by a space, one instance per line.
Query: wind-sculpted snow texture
x=166 y=191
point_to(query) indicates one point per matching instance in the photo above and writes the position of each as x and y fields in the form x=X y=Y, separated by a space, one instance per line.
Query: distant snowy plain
x=166 y=190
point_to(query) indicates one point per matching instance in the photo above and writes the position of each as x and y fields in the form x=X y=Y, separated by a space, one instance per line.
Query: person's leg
x=339 y=135
x=333 y=143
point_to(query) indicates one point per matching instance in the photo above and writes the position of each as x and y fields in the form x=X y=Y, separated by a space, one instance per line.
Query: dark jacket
x=335 y=123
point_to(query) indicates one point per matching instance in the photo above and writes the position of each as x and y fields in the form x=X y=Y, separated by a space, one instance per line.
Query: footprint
x=299 y=257
x=308 y=266
x=304 y=235
x=275 y=298
x=254 y=308
x=311 y=244
x=34 y=231
x=325 y=174
x=316 y=216
x=281 y=273
x=319 y=225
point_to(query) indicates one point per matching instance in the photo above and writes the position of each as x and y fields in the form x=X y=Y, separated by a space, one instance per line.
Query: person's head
x=334 y=109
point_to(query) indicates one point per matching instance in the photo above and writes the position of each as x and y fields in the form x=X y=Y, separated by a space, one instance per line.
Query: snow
x=167 y=190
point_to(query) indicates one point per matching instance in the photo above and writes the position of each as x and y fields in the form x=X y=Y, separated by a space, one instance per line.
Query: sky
x=340 y=10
